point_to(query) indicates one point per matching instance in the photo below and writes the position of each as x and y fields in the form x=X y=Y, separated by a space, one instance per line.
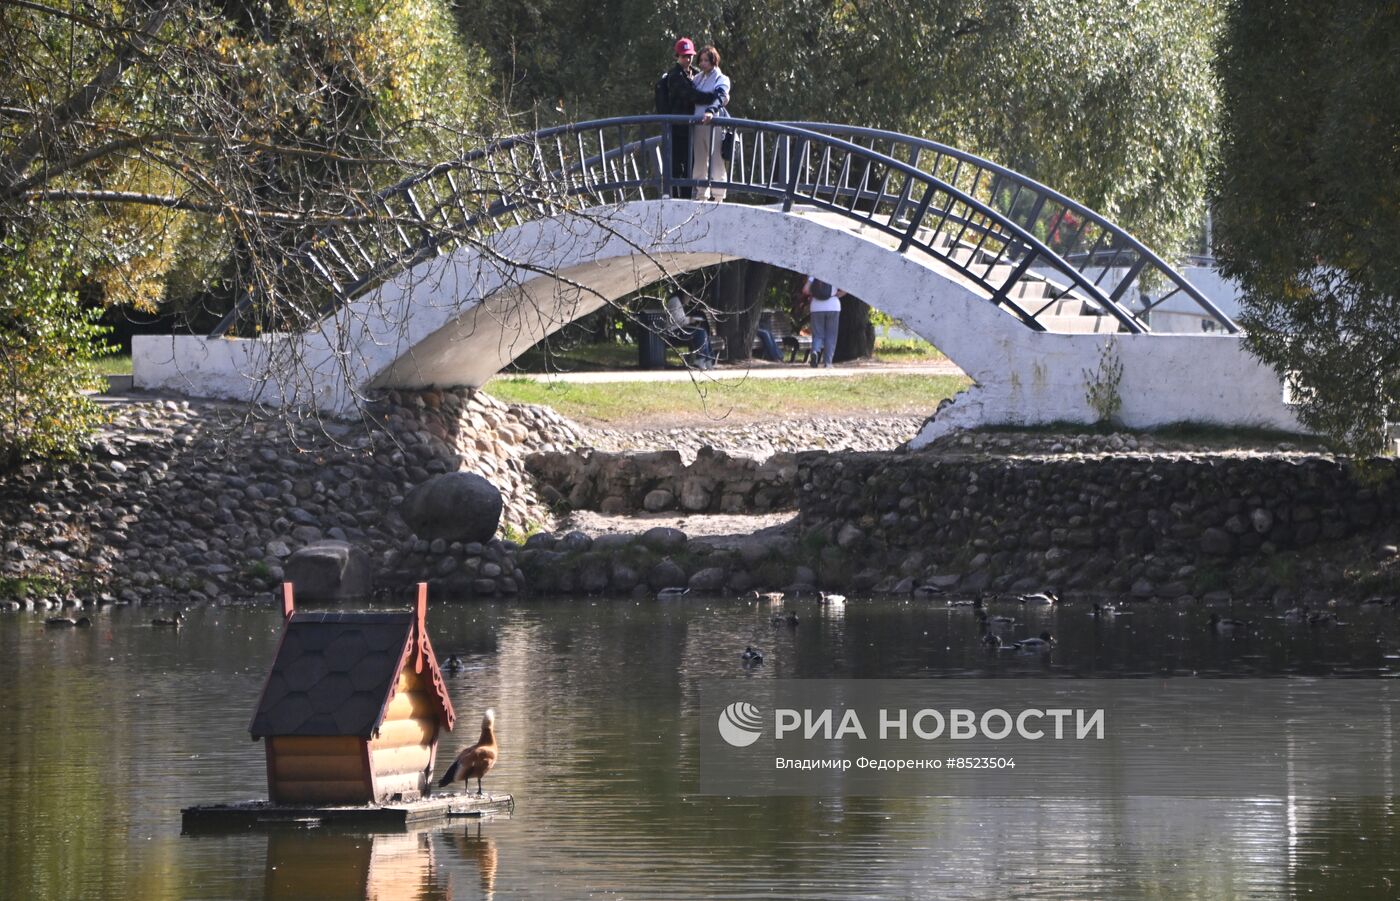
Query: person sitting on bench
x=692 y=329
x=770 y=352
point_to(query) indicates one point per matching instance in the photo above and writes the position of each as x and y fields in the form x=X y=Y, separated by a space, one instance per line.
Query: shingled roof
x=335 y=673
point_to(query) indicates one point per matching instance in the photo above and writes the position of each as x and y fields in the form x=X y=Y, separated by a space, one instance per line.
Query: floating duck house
x=353 y=707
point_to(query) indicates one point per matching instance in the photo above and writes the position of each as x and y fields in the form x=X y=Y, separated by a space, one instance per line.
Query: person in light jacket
x=709 y=162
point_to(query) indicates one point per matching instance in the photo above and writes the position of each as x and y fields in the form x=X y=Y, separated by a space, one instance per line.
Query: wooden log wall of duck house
x=353 y=707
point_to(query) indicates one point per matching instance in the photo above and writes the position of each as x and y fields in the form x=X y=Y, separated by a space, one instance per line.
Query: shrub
x=48 y=343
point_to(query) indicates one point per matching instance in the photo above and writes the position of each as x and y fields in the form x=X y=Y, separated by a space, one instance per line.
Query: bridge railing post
x=795 y=164
x=666 y=173
x=916 y=220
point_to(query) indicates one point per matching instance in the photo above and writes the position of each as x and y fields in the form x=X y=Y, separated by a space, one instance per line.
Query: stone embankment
x=188 y=502
x=1125 y=524
x=662 y=481
x=760 y=440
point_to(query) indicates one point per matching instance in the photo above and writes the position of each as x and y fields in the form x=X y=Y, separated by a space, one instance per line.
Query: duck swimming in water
x=670 y=594
x=1039 y=645
x=174 y=622
x=1104 y=610
x=750 y=656
x=1039 y=599
x=831 y=600
x=1227 y=626
x=789 y=618
x=994 y=622
x=64 y=622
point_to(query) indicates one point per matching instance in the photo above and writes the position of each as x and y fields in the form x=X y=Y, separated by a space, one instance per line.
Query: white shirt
x=831 y=305
x=708 y=81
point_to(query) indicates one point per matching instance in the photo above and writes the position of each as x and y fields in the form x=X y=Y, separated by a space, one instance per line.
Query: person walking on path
x=826 y=318
x=680 y=97
x=709 y=160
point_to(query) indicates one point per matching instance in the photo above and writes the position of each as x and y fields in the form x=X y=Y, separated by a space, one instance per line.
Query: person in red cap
x=680 y=99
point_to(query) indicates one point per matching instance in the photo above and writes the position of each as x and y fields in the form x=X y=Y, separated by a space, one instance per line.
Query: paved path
x=757 y=371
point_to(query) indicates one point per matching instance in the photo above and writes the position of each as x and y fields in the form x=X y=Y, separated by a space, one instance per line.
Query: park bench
x=651 y=326
x=779 y=324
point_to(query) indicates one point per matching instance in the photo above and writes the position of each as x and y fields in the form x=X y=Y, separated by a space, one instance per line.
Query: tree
x=168 y=152
x=1307 y=209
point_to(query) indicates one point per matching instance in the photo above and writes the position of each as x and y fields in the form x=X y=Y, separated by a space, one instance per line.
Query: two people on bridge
x=702 y=93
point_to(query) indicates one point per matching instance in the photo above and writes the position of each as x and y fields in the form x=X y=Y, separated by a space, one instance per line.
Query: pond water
x=110 y=731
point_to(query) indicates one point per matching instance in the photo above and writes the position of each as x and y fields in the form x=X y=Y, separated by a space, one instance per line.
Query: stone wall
x=452 y=429
x=1149 y=526
x=188 y=502
x=661 y=481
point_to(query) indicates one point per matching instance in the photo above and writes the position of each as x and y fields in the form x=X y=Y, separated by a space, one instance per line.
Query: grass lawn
x=732 y=401
x=906 y=350
x=116 y=364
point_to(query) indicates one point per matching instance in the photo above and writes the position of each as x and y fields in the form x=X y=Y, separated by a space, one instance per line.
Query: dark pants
x=699 y=341
x=680 y=160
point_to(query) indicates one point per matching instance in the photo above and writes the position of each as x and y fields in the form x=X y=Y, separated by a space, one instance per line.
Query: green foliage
x=1111 y=103
x=1101 y=384
x=283 y=108
x=48 y=343
x=1307 y=216
x=510 y=532
x=258 y=570
x=18 y=588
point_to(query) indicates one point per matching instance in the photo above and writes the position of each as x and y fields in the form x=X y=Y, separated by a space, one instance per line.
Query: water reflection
x=478 y=850
x=109 y=731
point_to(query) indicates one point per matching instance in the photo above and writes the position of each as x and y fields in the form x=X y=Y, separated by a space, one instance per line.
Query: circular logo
x=740 y=724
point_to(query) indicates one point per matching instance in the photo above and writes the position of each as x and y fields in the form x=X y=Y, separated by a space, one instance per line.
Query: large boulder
x=456 y=506
x=330 y=571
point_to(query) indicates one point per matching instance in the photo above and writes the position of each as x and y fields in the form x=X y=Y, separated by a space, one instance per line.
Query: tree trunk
x=739 y=287
x=855 y=338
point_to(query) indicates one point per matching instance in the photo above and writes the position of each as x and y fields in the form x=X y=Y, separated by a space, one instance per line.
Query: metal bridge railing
x=995 y=228
x=1117 y=261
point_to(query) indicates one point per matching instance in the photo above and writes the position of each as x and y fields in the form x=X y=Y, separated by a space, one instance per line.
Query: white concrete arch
x=458 y=319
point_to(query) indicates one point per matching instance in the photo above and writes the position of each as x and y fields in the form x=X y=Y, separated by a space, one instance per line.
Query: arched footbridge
x=461 y=268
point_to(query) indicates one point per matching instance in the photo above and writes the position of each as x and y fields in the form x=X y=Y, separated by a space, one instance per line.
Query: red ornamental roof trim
x=419 y=650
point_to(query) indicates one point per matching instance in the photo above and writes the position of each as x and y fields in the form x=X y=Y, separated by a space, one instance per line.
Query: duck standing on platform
x=476 y=761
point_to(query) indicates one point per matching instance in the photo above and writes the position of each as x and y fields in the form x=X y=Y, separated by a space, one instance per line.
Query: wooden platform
x=244 y=815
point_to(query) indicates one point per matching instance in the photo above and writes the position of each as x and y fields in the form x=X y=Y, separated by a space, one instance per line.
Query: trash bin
x=651 y=350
